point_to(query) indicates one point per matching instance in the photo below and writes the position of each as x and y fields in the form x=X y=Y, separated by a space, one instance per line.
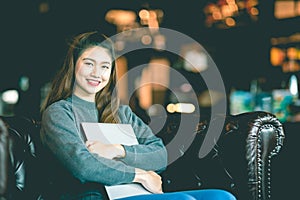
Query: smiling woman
x=85 y=91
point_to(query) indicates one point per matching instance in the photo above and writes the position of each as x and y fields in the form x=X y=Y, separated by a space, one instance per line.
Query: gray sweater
x=62 y=135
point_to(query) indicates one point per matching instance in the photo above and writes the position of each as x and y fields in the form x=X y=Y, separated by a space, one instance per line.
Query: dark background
x=33 y=44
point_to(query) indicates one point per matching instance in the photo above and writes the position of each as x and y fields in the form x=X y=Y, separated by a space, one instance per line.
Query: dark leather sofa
x=239 y=162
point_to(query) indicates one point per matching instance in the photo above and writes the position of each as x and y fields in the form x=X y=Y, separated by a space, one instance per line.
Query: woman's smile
x=93 y=82
x=92 y=72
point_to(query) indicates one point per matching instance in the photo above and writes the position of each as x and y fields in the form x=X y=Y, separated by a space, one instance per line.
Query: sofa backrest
x=239 y=162
x=24 y=168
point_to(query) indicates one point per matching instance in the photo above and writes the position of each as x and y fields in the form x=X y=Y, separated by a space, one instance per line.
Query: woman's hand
x=149 y=179
x=110 y=151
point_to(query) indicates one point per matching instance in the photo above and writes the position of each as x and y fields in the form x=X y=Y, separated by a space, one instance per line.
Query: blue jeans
x=204 y=194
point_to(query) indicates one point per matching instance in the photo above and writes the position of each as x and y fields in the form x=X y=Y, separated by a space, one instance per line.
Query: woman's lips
x=93 y=82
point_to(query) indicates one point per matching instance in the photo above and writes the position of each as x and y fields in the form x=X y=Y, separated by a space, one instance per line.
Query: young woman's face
x=92 y=72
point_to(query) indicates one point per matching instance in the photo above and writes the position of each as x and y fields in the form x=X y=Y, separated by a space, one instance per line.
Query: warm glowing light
x=171 y=108
x=144 y=14
x=181 y=108
x=277 y=56
x=230 y=1
x=153 y=23
x=185 y=107
x=292 y=53
x=233 y=7
x=159 y=69
x=226 y=11
x=284 y=9
x=230 y=21
x=120 y=17
x=229 y=13
x=10 y=96
x=151 y=18
x=254 y=11
x=122 y=78
x=146 y=39
x=145 y=89
x=217 y=15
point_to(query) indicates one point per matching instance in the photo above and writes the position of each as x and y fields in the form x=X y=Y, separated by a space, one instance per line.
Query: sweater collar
x=78 y=101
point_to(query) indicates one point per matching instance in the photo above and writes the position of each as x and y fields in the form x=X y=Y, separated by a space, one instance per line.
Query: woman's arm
x=61 y=136
x=151 y=153
x=109 y=151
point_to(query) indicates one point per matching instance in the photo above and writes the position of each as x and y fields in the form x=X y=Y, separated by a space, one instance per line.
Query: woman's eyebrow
x=89 y=59
x=104 y=62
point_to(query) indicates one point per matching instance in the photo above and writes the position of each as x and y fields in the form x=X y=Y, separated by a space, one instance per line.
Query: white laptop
x=117 y=134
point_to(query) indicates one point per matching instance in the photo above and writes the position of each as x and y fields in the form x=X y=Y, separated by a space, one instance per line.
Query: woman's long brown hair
x=107 y=101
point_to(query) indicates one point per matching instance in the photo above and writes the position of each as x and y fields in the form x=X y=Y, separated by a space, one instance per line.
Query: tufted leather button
x=232 y=185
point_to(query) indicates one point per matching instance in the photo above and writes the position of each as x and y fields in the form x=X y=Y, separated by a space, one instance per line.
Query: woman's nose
x=97 y=72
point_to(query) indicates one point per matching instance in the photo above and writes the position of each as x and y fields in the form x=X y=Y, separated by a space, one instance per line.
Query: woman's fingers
x=89 y=143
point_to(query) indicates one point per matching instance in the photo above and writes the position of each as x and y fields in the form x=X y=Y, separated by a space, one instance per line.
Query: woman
x=84 y=91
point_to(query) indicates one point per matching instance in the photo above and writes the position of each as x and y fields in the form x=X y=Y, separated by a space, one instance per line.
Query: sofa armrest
x=251 y=139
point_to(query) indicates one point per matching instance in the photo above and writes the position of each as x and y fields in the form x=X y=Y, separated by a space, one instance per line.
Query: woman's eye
x=89 y=64
x=105 y=66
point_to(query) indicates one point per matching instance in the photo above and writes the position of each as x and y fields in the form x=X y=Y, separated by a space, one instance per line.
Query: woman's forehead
x=97 y=52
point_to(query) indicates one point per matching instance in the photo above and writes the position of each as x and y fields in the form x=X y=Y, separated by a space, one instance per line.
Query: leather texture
x=246 y=148
x=24 y=171
x=240 y=161
x=3 y=158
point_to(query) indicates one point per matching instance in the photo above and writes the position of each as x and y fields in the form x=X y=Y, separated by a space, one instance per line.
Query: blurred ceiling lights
x=230 y=13
x=285 y=52
x=123 y=19
x=286 y=9
x=127 y=23
x=294 y=38
x=127 y=19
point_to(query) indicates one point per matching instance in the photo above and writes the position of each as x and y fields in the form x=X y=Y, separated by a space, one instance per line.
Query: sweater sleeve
x=150 y=153
x=60 y=135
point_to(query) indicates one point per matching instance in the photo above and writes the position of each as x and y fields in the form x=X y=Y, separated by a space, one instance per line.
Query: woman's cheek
x=106 y=75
